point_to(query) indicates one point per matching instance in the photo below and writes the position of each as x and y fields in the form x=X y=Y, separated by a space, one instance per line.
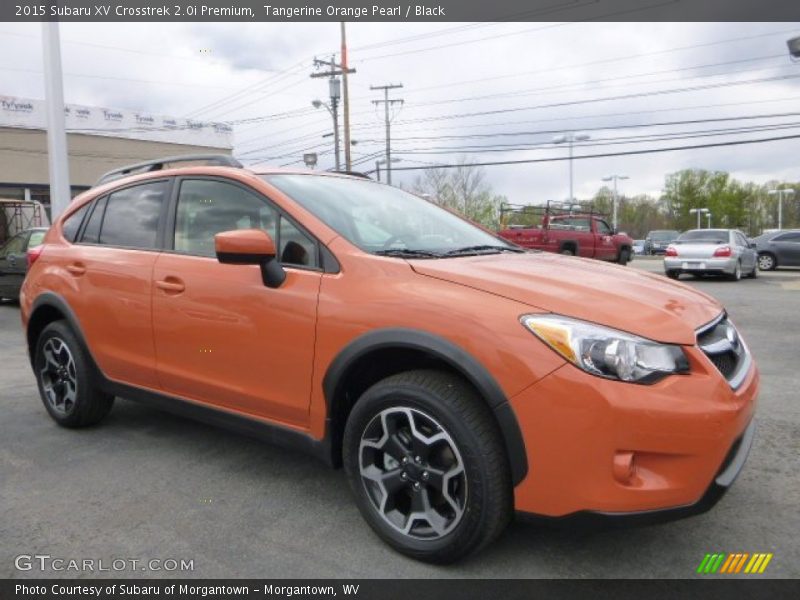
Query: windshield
x=382 y=219
x=663 y=236
x=713 y=236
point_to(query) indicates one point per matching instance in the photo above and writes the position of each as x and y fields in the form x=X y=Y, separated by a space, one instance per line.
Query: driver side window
x=207 y=207
x=603 y=228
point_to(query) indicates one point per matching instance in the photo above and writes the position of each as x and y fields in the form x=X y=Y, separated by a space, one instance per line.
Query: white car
x=712 y=252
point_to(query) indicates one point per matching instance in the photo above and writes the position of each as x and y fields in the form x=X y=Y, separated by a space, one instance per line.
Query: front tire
x=426 y=462
x=624 y=257
x=766 y=261
x=673 y=274
x=66 y=386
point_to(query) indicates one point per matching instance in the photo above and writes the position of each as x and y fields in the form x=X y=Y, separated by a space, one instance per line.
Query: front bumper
x=730 y=469
x=618 y=449
x=701 y=265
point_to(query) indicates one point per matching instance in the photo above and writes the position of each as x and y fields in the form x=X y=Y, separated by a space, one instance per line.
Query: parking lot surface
x=148 y=485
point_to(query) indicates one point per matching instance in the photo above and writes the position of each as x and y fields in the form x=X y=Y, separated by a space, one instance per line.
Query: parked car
x=14 y=262
x=779 y=248
x=456 y=377
x=656 y=242
x=638 y=247
x=564 y=231
x=711 y=252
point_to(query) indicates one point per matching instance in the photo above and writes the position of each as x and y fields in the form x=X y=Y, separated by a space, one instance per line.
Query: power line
x=598 y=128
x=606 y=155
x=604 y=141
x=608 y=98
x=627 y=57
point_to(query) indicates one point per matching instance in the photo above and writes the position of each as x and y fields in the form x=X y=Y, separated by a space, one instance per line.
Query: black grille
x=725 y=362
x=721 y=343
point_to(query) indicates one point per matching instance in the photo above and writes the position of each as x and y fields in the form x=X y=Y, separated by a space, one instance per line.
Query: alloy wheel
x=765 y=262
x=59 y=377
x=413 y=473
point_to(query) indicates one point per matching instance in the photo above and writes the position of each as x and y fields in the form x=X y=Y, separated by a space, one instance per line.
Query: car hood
x=641 y=303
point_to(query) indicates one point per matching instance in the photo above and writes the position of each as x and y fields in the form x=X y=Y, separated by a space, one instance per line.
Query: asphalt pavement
x=147 y=485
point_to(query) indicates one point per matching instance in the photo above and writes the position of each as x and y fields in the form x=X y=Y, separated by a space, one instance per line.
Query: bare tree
x=462 y=189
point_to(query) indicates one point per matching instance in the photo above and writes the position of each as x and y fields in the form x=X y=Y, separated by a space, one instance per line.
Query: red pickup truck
x=584 y=234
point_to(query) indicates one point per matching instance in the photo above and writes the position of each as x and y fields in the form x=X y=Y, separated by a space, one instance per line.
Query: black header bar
x=284 y=11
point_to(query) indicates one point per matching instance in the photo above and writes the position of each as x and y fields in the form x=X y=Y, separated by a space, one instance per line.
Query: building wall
x=23 y=156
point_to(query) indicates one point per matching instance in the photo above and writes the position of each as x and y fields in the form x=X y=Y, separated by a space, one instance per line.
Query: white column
x=56 y=129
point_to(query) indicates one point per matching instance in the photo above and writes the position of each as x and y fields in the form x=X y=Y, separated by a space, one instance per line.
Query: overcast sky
x=507 y=70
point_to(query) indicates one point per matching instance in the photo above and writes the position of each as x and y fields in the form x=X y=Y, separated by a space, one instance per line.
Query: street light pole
x=570 y=139
x=699 y=212
x=780 y=194
x=615 y=178
x=334 y=113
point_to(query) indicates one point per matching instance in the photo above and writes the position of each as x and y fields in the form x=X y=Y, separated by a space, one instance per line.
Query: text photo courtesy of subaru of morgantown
x=355 y=312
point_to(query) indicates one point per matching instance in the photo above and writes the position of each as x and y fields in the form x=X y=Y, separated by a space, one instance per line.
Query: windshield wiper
x=408 y=252
x=483 y=248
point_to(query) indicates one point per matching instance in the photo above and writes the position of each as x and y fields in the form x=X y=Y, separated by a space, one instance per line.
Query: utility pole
x=387 y=102
x=615 y=178
x=334 y=70
x=56 y=129
x=346 y=99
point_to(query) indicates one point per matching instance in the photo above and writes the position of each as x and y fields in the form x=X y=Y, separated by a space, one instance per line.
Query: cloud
x=235 y=71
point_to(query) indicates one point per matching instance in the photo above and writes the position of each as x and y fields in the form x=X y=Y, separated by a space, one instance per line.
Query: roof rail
x=353 y=174
x=222 y=160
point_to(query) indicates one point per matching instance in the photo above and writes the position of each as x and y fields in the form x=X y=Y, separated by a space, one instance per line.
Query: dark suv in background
x=656 y=242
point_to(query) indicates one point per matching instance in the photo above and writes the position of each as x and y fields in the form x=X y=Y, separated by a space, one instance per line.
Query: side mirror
x=752 y=244
x=250 y=247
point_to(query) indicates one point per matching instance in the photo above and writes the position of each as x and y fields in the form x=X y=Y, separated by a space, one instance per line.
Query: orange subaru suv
x=456 y=377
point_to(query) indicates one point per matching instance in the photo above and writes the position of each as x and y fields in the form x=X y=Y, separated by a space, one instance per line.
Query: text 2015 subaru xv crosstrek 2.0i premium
x=456 y=377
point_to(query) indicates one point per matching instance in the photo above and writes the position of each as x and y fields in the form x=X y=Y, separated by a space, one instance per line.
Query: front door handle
x=171 y=285
x=76 y=269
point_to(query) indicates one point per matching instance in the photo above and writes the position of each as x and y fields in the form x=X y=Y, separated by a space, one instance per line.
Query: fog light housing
x=624 y=466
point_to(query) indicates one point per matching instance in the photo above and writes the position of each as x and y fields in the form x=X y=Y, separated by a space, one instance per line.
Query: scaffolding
x=19 y=215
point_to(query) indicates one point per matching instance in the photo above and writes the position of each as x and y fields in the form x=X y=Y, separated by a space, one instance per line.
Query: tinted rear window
x=73 y=222
x=91 y=233
x=706 y=235
x=132 y=216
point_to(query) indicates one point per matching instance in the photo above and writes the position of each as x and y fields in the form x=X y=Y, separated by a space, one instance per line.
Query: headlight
x=607 y=352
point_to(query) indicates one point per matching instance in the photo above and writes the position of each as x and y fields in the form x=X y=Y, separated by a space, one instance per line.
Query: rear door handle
x=171 y=285
x=76 y=269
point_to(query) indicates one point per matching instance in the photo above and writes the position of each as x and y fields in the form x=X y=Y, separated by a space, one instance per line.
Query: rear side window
x=91 y=233
x=132 y=216
x=73 y=223
x=787 y=237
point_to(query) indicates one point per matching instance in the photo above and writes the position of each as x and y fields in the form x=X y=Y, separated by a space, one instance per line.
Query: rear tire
x=437 y=500
x=63 y=375
x=567 y=252
x=737 y=273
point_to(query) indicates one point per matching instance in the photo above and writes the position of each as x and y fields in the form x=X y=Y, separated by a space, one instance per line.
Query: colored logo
x=739 y=562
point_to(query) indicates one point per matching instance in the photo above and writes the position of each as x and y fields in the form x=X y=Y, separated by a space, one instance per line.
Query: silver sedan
x=712 y=252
